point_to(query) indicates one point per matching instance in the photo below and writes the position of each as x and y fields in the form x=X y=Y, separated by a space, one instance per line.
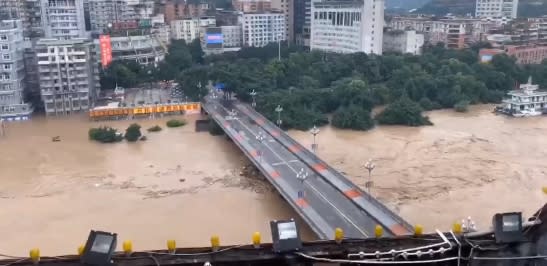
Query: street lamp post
x=260 y=137
x=253 y=94
x=301 y=176
x=369 y=166
x=279 y=47
x=279 y=109
x=232 y=115
x=314 y=131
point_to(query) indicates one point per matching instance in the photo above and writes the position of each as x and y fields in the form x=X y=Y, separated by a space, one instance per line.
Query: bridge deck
x=328 y=201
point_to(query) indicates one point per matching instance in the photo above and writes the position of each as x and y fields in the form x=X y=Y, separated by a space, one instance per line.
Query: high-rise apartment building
x=259 y=29
x=252 y=6
x=302 y=22
x=12 y=72
x=496 y=8
x=63 y=19
x=28 y=11
x=189 y=29
x=66 y=73
x=105 y=13
x=287 y=8
x=347 y=26
x=180 y=9
x=405 y=42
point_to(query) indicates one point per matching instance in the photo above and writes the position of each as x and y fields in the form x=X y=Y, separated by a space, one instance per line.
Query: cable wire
x=512 y=258
x=15 y=262
x=373 y=261
x=195 y=254
x=10 y=256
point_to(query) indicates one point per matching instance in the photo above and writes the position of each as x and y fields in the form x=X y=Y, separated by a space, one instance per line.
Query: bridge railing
x=289 y=142
x=323 y=233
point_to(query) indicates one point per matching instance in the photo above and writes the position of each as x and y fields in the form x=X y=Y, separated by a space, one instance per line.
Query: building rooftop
x=62 y=42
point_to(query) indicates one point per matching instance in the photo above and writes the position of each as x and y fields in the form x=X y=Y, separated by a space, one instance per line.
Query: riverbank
x=467 y=164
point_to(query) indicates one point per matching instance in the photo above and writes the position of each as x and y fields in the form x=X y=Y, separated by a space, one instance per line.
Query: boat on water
x=527 y=101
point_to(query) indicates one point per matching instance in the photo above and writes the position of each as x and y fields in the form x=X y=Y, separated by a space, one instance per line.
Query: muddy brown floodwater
x=178 y=184
x=473 y=164
x=188 y=186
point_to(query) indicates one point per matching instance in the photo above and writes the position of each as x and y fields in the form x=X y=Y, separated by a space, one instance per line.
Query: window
x=6 y=57
x=3 y=37
x=7 y=76
x=5 y=47
x=7 y=66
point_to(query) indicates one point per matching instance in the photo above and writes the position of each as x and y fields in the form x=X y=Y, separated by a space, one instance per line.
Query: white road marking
x=310 y=185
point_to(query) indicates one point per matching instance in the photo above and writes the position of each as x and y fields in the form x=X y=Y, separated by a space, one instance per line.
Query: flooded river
x=187 y=186
x=473 y=164
x=176 y=185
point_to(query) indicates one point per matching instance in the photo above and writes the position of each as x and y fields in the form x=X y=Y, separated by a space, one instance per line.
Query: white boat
x=525 y=102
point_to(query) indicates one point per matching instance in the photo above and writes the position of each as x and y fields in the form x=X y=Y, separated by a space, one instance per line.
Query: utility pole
x=279 y=109
x=260 y=137
x=314 y=131
x=369 y=166
x=301 y=176
x=253 y=94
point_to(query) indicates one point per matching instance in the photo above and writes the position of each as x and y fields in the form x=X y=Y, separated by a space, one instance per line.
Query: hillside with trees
x=310 y=86
x=527 y=8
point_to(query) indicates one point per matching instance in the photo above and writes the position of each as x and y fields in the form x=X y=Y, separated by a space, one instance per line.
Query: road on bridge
x=323 y=206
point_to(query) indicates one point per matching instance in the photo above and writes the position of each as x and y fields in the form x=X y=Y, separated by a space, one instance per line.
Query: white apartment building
x=259 y=29
x=347 y=26
x=405 y=42
x=105 y=12
x=66 y=73
x=287 y=8
x=496 y=8
x=63 y=19
x=189 y=29
x=232 y=36
x=146 y=49
x=12 y=72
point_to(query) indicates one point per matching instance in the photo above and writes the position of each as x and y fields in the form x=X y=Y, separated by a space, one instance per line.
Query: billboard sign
x=106 y=50
x=214 y=37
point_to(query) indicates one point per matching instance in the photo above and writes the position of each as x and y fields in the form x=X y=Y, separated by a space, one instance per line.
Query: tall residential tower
x=347 y=26
x=63 y=19
x=496 y=8
x=12 y=72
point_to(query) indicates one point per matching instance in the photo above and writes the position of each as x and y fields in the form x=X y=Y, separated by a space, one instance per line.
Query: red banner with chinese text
x=106 y=50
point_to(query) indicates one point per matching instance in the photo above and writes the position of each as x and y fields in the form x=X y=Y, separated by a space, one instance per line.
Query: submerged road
x=323 y=205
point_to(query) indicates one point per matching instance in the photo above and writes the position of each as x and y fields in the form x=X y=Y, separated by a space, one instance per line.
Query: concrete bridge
x=322 y=196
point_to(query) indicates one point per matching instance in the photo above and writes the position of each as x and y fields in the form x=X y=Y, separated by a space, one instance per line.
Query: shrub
x=352 y=117
x=104 y=134
x=133 y=132
x=403 y=112
x=461 y=106
x=175 y=123
x=155 y=128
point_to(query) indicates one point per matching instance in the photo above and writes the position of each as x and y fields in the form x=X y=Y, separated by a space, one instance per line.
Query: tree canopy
x=311 y=85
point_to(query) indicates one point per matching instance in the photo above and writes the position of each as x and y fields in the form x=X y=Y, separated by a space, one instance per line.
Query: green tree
x=403 y=112
x=352 y=117
x=133 y=132
x=196 y=51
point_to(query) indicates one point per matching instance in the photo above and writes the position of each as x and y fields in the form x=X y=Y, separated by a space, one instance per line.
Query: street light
x=232 y=115
x=369 y=166
x=314 y=131
x=279 y=109
x=260 y=137
x=253 y=94
x=279 y=47
x=301 y=176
